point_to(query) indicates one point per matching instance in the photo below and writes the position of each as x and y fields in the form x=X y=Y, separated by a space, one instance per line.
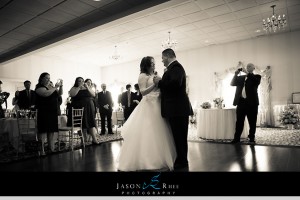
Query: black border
x=185 y=183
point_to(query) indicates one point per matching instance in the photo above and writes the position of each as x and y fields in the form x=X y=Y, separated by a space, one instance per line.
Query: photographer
x=246 y=100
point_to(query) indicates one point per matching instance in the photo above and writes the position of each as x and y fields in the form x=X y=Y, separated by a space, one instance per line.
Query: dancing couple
x=155 y=134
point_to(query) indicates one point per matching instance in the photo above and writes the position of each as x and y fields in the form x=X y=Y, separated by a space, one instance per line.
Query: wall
x=280 y=51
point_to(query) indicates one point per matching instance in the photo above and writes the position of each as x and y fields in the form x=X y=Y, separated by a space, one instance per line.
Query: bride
x=148 y=142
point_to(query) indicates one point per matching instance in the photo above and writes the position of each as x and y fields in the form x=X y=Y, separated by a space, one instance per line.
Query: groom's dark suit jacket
x=251 y=86
x=174 y=99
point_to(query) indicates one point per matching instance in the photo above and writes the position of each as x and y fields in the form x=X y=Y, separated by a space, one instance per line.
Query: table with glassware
x=9 y=126
x=218 y=123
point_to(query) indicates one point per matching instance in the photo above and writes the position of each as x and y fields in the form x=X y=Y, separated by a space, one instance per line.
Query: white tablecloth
x=218 y=124
x=10 y=126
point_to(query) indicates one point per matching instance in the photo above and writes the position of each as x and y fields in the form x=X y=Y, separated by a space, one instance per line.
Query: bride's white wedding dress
x=148 y=142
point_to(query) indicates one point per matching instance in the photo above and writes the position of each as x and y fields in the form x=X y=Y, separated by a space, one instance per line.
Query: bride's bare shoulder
x=143 y=76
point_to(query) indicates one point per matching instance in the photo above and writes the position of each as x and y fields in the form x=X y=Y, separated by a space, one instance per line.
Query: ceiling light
x=116 y=56
x=168 y=43
x=274 y=23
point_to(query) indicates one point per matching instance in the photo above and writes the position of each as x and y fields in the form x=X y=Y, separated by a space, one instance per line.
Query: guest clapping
x=46 y=104
x=83 y=96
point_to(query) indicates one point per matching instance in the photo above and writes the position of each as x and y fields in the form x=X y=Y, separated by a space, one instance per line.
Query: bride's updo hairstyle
x=146 y=64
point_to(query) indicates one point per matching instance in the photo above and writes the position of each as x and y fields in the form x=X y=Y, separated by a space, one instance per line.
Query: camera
x=240 y=69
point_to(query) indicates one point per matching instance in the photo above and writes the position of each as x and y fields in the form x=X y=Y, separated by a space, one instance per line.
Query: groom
x=175 y=104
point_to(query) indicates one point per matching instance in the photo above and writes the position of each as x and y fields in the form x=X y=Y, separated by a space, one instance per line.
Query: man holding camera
x=246 y=100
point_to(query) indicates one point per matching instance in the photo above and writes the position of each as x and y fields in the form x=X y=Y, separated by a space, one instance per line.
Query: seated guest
x=83 y=96
x=46 y=104
x=27 y=97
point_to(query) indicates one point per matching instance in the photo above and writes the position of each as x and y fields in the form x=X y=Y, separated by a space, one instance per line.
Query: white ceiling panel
x=204 y=23
x=192 y=23
x=230 y=24
x=186 y=8
x=219 y=10
x=196 y=16
x=242 y=4
x=224 y=18
x=205 y=4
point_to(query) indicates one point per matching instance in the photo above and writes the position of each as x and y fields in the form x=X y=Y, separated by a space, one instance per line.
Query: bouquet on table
x=206 y=105
x=289 y=115
x=218 y=102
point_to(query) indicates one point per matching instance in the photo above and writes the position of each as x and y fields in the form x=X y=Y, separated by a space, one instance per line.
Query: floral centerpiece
x=289 y=115
x=206 y=105
x=218 y=102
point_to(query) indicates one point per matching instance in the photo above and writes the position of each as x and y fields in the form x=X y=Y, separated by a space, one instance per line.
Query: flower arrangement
x=206 y=105
x=289 y=115
x=218 y=102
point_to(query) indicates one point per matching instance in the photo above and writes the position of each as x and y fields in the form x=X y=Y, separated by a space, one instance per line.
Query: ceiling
x=137 y=30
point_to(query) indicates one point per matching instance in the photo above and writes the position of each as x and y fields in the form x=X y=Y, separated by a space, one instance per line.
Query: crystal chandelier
x=115 y=56
x=168 y=43
x=274 y=23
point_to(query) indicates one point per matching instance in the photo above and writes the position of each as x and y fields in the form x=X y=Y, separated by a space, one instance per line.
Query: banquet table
x=10 y=126
x=218 y=124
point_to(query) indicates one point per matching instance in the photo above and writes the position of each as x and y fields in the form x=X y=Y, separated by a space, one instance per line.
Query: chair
x=27 y=126
x=74 y=131
x=119 y=119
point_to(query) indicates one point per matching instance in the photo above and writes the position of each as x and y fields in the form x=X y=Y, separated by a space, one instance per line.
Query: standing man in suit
x=137 y=96
x=27 y=97
x=246 y=100
x=175 y=104
x=127 y=102
x=105 y=108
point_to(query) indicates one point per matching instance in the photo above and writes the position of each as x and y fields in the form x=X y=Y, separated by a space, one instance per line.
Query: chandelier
x=274 y=23
x=115 y=56
x=168 y=43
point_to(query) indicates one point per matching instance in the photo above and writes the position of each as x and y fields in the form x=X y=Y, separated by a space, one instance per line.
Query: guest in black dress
x=3 y=99
x=46 y=104
x=83 y=96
